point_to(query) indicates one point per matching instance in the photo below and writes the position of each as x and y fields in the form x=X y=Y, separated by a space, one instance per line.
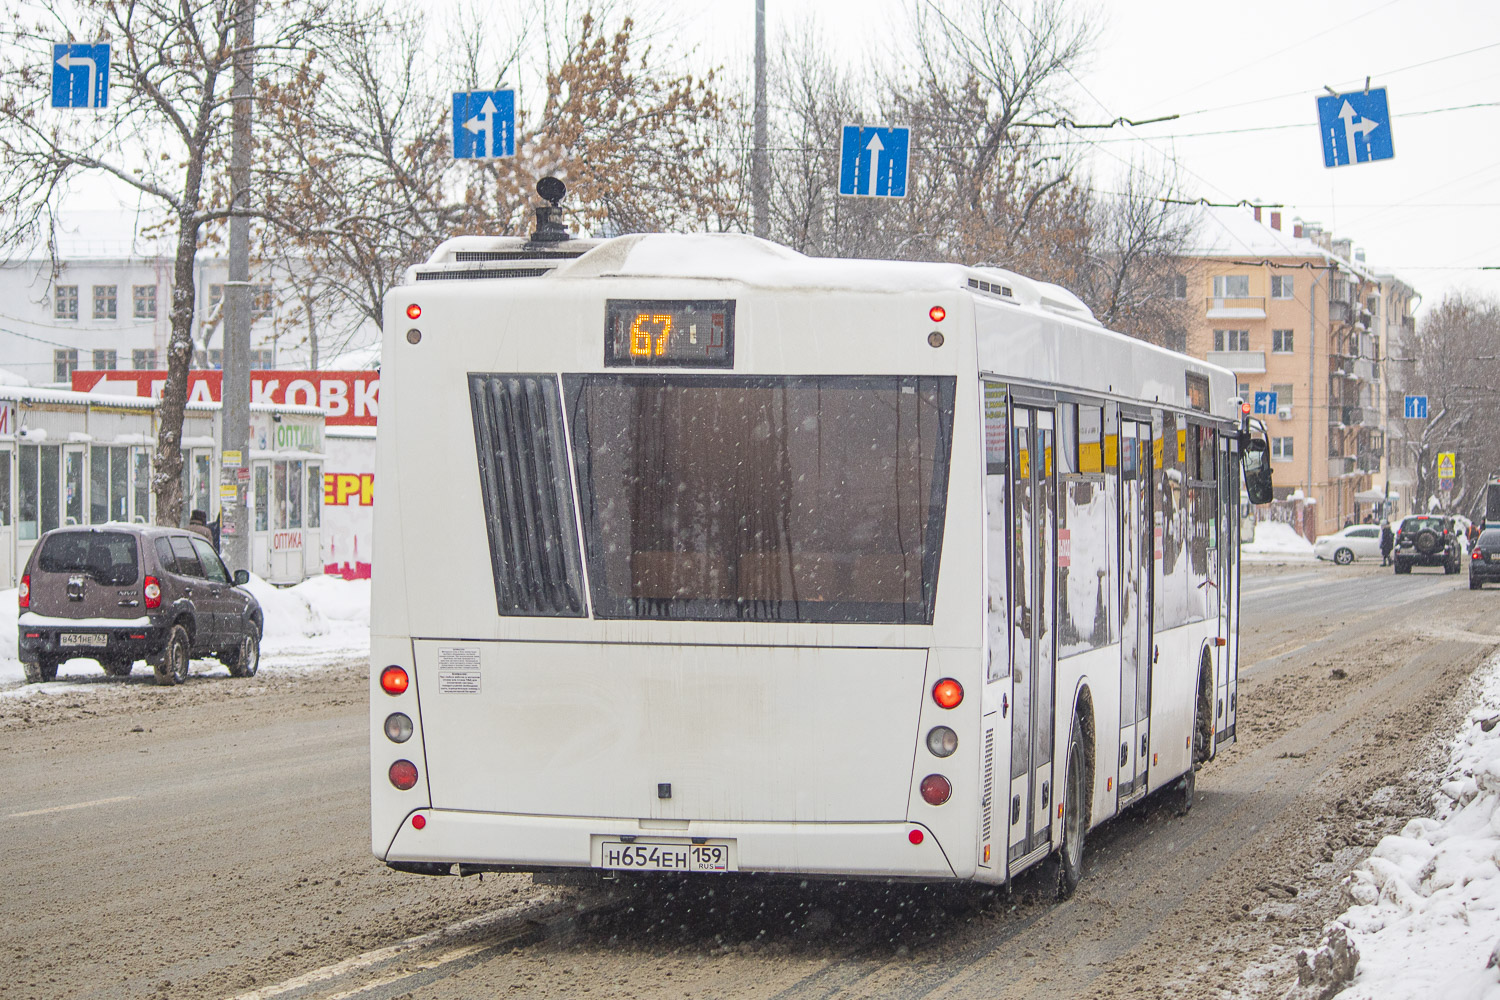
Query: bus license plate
x=83 y=639
x=664 y=857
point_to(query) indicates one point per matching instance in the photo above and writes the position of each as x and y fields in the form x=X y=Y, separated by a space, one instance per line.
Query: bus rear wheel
x=1075 y=816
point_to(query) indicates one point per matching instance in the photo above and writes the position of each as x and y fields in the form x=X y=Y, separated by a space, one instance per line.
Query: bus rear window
x=108 y=557
x=816 y=499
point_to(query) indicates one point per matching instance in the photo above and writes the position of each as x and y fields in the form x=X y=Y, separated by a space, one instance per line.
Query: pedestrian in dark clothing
x=1387 y=543
x=198 y=524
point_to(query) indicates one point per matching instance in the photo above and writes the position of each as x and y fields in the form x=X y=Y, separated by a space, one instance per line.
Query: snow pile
x=1274 y=540
x=319 y=621
x=1427 y=913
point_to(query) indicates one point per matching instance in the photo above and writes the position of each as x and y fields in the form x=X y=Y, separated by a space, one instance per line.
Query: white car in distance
x=1358 y=541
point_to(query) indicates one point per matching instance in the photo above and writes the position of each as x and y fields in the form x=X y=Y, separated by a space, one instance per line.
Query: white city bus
x=701 y=555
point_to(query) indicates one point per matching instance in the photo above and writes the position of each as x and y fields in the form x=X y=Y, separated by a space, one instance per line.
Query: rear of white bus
x=657 y=585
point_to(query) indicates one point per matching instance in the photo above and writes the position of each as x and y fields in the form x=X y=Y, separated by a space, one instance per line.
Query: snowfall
x=1426 y=913
x=321 y=621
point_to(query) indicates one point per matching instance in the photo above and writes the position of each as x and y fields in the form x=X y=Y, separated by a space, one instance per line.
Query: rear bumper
x=134 y=641
x=1415 y=558
x=1486 y=571
x=869 y=850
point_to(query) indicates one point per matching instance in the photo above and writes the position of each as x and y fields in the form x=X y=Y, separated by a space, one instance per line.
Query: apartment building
x=1298 y=312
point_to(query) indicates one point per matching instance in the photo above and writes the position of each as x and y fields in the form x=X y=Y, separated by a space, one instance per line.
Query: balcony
x=1365 y=369
x=1367 y=460
x=1252 y=307
x=1248 y=362
x=1339 y=312
x=1340 y=465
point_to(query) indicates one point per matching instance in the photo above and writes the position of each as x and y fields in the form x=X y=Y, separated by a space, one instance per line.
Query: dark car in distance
x=118 y=593
x=1428 y=540
x=1484 y=559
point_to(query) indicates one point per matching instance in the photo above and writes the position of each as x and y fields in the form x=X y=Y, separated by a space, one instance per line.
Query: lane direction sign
x=484 y=124
x=1416 y=408
x=873 y=161
x=80 y=76
x=1356 y=128
x=1265 y=402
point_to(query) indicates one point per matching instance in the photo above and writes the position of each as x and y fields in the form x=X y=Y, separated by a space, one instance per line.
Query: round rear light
x=418 y=821
x=413 y=311
x=942 y=741
x=398 y=727
x=404 y=775
x=948 y=693
x=937 y=314
x=915 y=836
x=935 y=788
x=393 y=680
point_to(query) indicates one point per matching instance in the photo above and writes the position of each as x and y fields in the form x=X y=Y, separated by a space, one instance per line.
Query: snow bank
x=318 y=621
x=1427 y=913
x=1274 y=540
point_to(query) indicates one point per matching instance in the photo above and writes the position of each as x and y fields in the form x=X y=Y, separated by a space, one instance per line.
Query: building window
x=143 y=299
x=1373 y=305
x=261 y=359
x=216 y=358
x=64 y=364
x=262 y=299
x=1176 y=340
x=1281 y=286
x=1244 y=390
x=143 y=359
x=105 y=361
x=65 y=302
x=1281 y=449
x=215 y=296
x=1283 y=392
x=1281 y=342
x=104 y=301
x=1179 y=286
x=1232 y=286
x=1231 y=340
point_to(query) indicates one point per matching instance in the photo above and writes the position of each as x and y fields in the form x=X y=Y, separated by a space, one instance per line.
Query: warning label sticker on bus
x=458 y=670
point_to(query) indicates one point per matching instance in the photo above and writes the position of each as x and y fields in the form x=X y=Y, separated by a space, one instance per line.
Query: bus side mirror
x=1257 y=465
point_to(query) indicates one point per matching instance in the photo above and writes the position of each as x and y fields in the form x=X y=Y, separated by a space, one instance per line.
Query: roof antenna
x=548 y=228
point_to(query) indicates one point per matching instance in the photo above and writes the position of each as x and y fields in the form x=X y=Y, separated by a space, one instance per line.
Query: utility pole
x=235 y=417
x=759 y=182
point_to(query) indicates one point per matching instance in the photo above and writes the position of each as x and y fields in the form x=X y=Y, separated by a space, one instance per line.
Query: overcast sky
x=1432 y=214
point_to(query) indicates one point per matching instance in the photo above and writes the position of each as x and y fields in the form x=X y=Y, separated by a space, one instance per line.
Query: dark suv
x=119 y=593
x=1428 y=540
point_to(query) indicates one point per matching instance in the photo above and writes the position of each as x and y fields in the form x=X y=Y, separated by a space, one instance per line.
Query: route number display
x=674 y=334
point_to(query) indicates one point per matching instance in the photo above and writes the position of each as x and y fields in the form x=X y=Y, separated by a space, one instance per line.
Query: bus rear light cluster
x=393 y=680
x=948 y=693
x=403 y=774
x=153 y=592
x=398 y=727
x=942 y=741
x=935 y=789
x=23 y=595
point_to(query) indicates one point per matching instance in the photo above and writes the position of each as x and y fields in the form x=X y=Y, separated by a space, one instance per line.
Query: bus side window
x=996 y=481
x=1087 y=535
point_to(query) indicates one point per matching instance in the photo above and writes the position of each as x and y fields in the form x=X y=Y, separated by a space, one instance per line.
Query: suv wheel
x=244 y=659
x=171 y=664
x=43 y=669
x=117 y=666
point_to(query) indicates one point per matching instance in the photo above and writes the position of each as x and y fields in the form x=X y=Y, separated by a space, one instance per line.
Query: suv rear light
x=153 y=592
x=23 y=595
x=403 y=774
x=935 y=788
x=393 y=680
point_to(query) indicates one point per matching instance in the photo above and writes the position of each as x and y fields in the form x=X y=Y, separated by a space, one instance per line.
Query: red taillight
x=403 y=774
x=935 y=789
x=1245 y=407
x=23 y=596
x=418 y=821
x=948 y=692
x=393 y=680
x=153 y=592
x=1476 y=554
x=937 y=314
x=413 y=311
x=915 y=836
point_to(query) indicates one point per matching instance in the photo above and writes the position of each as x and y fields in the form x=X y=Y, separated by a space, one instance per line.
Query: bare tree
x=164 y=130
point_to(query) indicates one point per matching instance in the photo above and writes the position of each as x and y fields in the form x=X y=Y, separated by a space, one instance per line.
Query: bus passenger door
x=1033 y=507
x=1137 y=554
x=1227 y=677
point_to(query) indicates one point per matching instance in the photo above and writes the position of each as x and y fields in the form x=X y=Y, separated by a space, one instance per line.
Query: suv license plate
x=83 y=639
x=664 y=857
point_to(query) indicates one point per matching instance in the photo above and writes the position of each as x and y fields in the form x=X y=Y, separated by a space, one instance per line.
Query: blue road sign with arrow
x=1265 y=402
x=80 y=76
x=1356 y=128
x=1416 y=408
x=484 y=124
x=873 y=161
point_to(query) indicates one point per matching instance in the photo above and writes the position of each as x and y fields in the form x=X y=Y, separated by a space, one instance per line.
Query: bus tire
x=1184 y=792
x=1075 y=824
